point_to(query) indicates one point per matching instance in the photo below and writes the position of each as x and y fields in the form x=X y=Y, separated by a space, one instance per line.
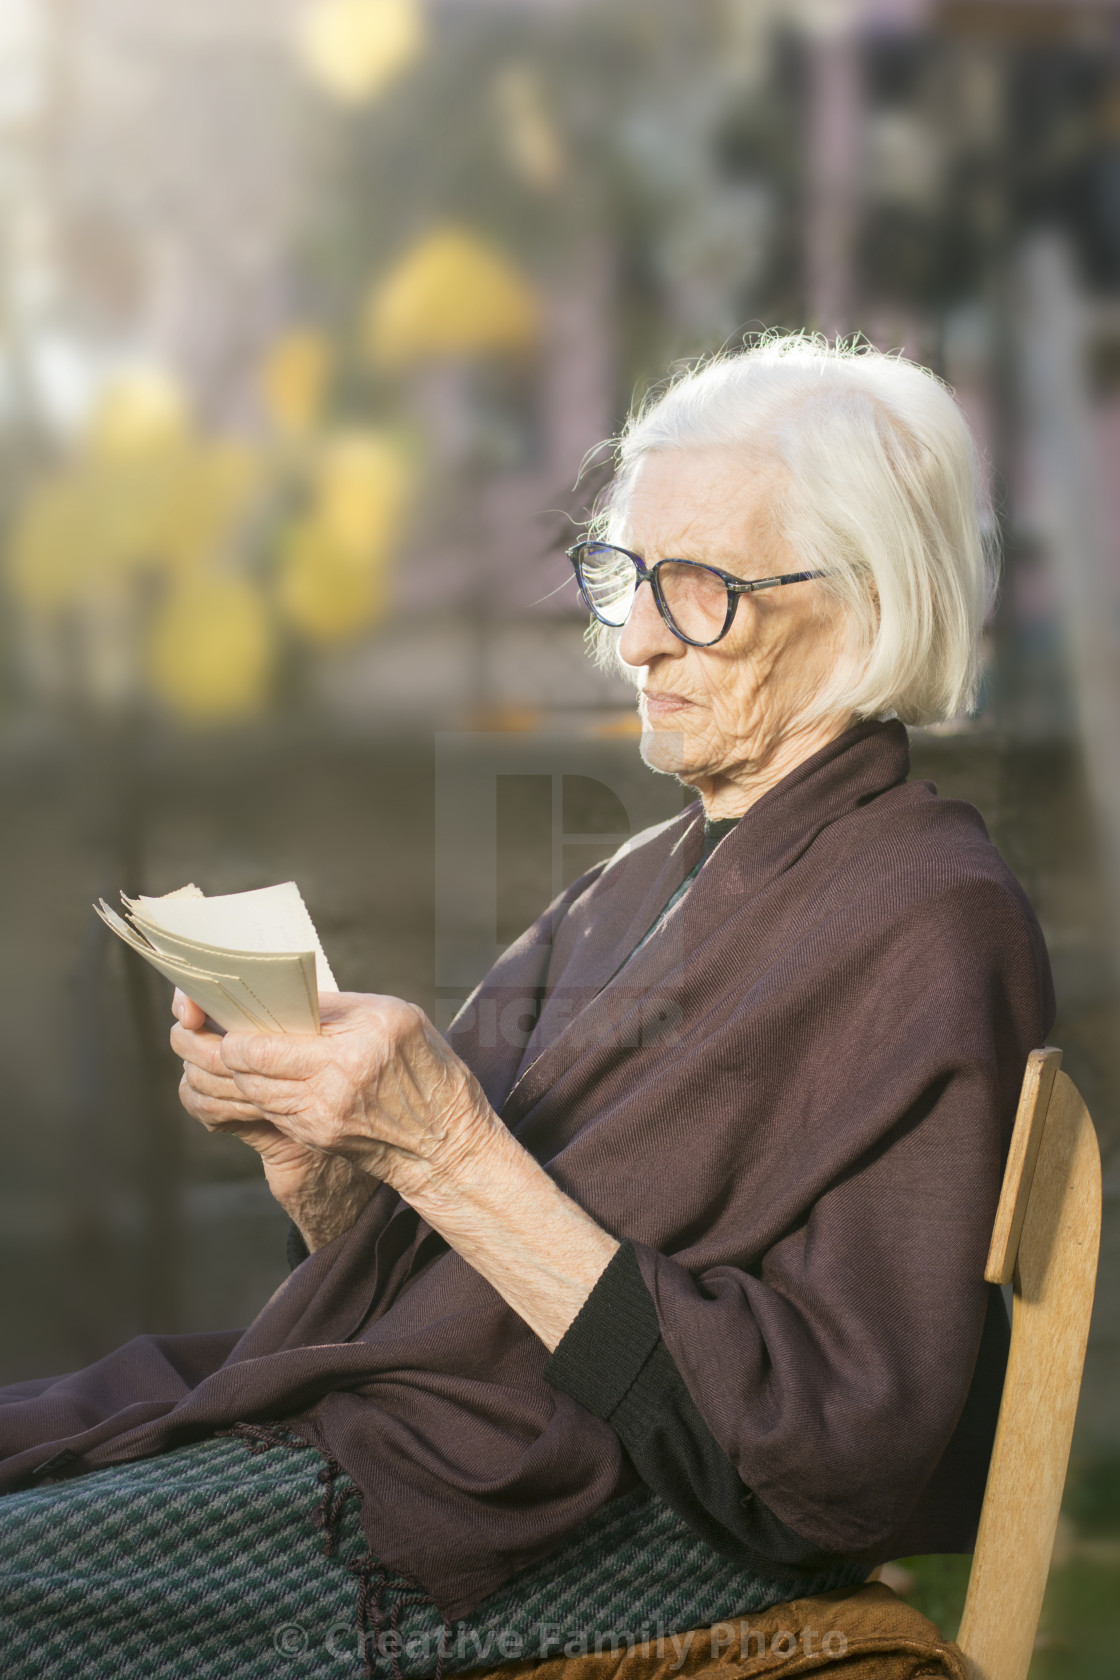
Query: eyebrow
x=679 y=552
x=731 y=564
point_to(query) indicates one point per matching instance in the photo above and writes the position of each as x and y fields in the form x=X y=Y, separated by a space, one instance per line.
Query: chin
x=665 y=750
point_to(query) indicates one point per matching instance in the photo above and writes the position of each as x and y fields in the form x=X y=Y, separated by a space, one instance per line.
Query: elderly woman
x=677 y=1310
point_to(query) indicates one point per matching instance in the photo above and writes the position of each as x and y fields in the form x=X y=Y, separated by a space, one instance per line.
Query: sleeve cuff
x=609 y=1340
x=295 y=1248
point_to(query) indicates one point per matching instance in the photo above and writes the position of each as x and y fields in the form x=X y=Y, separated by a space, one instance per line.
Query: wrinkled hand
x=381 y=1094
x=380 y=1089
x=322 y=1193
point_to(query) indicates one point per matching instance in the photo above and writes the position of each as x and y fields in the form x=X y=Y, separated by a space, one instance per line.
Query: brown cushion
x=861 y=1633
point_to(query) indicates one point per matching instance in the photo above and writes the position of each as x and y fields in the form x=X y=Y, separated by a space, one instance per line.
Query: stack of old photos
x=252 y=960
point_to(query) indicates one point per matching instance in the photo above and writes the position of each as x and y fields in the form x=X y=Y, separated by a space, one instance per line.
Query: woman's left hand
x=379 y=1087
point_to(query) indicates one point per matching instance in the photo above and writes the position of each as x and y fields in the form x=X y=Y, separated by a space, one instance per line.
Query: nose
x=645 y=634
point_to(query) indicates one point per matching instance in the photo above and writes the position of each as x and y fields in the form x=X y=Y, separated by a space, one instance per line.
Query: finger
x=220 y=1086
x=212 y=1112
x=341 y=1006
x=273 y=1097
x=189 y=1014
x=341 y=1011
x=275 y=1055
x=202 y=1048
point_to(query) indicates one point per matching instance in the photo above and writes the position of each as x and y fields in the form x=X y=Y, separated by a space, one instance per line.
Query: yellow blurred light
x=49 y=544
x=361 y=490
x=210 y=656
x=354 y=48
x=136 y=413
x=204 y=493
x=293 y=380
x=627 y=724
x=505 y=719
x=452 y=294
x=531 y=136
x=326 y=594
x=110 y=517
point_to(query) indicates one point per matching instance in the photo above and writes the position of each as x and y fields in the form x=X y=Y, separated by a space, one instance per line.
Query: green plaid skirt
x=208 y=1562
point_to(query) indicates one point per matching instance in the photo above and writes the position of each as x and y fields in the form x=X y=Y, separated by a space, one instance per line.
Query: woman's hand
x=324 y=1194
x=380 y=1089
x=379 y=1094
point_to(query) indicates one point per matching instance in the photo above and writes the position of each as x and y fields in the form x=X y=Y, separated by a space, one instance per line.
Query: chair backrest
x=1045 y=1242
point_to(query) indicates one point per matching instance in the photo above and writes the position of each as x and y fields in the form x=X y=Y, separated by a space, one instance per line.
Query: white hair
x=883 y=489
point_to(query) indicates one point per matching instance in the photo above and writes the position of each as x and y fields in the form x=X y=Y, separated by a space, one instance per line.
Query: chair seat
x=862 y=1633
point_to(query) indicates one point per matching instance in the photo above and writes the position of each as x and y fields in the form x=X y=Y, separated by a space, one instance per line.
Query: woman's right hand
x=322 y=1193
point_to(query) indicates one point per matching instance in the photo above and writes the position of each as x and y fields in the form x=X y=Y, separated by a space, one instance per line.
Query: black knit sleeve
x=295 y=1248
x=613 y=1361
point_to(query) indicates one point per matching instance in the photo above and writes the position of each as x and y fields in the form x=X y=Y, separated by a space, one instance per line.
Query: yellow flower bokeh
x=362 y=483
x=333 y=580
x=104 y=517
x=136 y=413
x=135 y=549
x=212 y=649
x=354 y=48
x=452 y=294
x=325 y=593
x=53 y=542
x=293 y=380
x=209 y=487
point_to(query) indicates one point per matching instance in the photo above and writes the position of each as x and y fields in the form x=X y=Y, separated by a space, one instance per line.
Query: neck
x=732 y=792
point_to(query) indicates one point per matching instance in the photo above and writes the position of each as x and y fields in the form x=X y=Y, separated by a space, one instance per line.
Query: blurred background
x=309 y=314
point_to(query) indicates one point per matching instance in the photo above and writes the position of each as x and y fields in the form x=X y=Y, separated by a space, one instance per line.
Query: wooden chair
x=1045 y=1242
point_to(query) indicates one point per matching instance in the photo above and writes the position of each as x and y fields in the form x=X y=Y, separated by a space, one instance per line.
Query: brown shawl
x=795 y=1100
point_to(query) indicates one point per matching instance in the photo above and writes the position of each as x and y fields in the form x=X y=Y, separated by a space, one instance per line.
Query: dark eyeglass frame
x=649 y=574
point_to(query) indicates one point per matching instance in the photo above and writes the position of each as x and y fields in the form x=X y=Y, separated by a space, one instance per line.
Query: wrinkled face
x=717 y=716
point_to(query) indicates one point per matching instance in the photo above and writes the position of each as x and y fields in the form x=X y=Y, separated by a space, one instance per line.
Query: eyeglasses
x=697 y=602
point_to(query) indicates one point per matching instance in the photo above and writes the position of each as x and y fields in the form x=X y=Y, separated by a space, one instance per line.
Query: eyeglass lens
x=695 y=598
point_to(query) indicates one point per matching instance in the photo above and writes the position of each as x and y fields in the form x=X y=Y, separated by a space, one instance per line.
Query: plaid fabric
x=207 y=1562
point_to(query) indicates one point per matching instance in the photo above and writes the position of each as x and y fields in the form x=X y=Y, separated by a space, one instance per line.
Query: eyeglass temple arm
x=737 y=588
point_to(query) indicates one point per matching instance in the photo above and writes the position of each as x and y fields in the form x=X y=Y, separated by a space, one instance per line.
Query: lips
x=665 y=704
